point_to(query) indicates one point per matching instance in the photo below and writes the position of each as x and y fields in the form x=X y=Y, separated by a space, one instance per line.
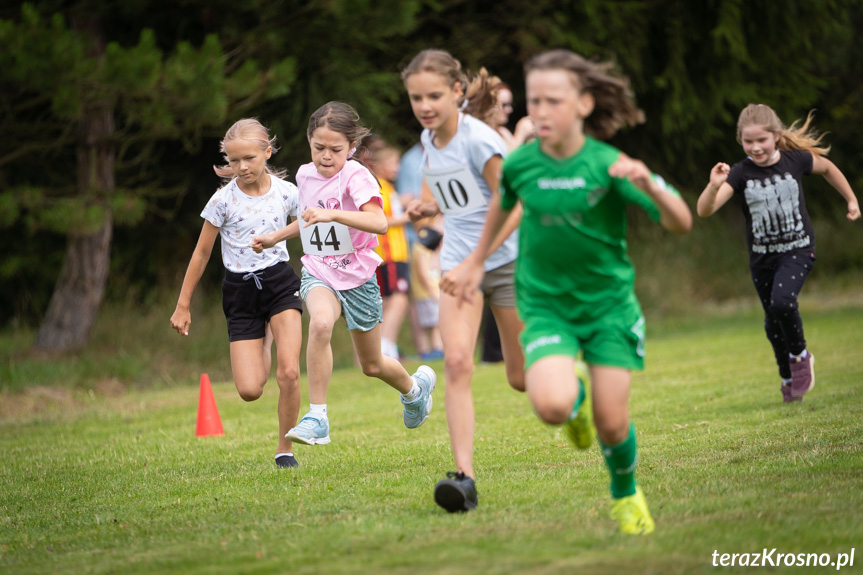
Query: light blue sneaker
x=312 y=430
x=417 y=411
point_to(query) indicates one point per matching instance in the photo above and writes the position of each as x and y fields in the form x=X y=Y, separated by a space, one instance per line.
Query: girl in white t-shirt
x=341 y=214
x=260 y=292
x=462 y=166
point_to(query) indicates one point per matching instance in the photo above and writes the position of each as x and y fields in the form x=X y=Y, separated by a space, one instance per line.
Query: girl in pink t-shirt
x=341 y=214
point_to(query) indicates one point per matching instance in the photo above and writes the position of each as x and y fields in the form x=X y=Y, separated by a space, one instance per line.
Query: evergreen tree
x=86 y=106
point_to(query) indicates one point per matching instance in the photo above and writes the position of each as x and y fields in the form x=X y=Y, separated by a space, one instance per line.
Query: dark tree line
x=111 y=112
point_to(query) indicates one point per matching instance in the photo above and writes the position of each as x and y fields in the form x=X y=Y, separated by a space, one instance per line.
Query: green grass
x=134 y=346
x=115 y=482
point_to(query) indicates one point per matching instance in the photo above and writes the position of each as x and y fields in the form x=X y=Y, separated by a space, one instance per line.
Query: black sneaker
x=456 y=493
x=285 y=460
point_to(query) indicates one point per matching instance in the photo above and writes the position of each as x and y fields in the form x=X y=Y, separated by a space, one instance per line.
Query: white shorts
x=427 y=312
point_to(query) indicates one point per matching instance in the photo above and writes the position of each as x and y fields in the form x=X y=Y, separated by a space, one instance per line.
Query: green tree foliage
x=177 y=74
x=96 y=107
x=693 y=65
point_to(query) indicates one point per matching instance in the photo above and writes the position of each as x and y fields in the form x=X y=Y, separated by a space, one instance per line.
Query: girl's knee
x=320 y=328
x=553 y=406
x=612 y=432
x=458 y=362
x=517 y=384
x=372 y=368
x=250 y=393
x=551 y=412
x=779 y=308
x=516 y=380
x=288 y=378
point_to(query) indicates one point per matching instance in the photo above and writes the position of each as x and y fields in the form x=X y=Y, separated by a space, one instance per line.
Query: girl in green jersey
x=574 y=280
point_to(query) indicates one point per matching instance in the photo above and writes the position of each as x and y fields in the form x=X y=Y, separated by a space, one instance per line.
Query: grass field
x=114 y=481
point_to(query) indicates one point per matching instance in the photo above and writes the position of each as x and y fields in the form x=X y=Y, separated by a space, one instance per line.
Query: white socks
x=413 y=393
x=802 y=355
x=318 y=409
x=389 y=348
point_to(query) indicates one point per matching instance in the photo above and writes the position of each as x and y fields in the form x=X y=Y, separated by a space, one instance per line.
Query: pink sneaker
x=802 y=374
x=786 y=394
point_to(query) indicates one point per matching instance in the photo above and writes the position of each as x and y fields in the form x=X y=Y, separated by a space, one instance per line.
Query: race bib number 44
x=454 y=189
x=326 y=239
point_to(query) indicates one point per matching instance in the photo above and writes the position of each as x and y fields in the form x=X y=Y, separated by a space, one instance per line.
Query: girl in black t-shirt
x=778 y=229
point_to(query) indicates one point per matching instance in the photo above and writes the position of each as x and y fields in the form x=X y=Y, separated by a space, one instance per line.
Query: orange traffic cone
x=209 y=422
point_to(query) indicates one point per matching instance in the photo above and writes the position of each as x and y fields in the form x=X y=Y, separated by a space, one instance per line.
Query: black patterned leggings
x=778 y=288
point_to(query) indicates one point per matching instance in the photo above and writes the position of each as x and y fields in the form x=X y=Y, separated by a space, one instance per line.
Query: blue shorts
x=362 y=306
x=250 y=299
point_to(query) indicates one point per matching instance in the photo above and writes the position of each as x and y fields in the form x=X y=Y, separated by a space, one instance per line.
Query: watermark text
x=774 y=558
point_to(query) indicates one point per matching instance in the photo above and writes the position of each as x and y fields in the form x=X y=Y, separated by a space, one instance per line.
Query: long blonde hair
x=248 y=129
x=794 y=137
x=614 y=102
x=479 y=90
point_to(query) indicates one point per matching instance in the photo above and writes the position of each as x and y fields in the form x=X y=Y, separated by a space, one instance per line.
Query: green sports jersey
x=572 y=239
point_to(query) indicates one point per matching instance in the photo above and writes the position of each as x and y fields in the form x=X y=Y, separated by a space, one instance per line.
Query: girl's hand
x=262 y=242
x=316 y=215
x=719 y=173
x=524 y=131
x=633 y=170
x=463 y=281
x=853 y=211
x=418 y=210
x=181 y=320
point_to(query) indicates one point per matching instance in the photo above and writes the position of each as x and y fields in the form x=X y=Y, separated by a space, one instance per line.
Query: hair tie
x=463 y=106
x=351 y=153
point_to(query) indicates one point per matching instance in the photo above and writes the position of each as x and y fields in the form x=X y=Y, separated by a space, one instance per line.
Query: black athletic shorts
x=393 y=278
x=250 y=299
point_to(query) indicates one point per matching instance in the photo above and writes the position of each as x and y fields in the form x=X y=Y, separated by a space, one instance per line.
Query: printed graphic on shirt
x=777 y=224
x=240 y=217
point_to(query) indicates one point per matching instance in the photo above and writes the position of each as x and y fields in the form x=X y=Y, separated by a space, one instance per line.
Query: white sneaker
x=312 y=430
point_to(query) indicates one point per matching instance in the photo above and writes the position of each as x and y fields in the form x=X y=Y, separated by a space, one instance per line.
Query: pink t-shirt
x=348 y=190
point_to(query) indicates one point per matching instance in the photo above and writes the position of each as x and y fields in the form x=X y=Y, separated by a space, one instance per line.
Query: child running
x=340 y=214
x=778 y=229
x=574 y=279
x=394 y=273
x=425 y=288
x=260 y=292
x=462 y=163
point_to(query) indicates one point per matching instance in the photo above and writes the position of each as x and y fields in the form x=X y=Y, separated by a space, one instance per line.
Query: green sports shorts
x=615 y=340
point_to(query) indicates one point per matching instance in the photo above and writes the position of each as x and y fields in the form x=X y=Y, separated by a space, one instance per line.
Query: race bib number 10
x=454 y=188
x=326 y=239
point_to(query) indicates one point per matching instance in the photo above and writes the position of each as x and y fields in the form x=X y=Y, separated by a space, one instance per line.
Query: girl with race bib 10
x=462 y=158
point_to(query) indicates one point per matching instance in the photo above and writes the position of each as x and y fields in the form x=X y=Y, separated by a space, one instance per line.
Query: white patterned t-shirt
x=240 y=217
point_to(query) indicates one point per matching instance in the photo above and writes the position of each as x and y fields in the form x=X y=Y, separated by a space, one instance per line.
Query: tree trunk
x=68 y=323
x=77 y=296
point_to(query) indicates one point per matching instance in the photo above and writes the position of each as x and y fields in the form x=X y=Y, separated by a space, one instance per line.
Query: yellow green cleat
x=580 y=429
x=632 y=514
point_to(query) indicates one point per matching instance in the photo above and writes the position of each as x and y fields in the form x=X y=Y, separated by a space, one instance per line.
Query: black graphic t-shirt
x=777 y=222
